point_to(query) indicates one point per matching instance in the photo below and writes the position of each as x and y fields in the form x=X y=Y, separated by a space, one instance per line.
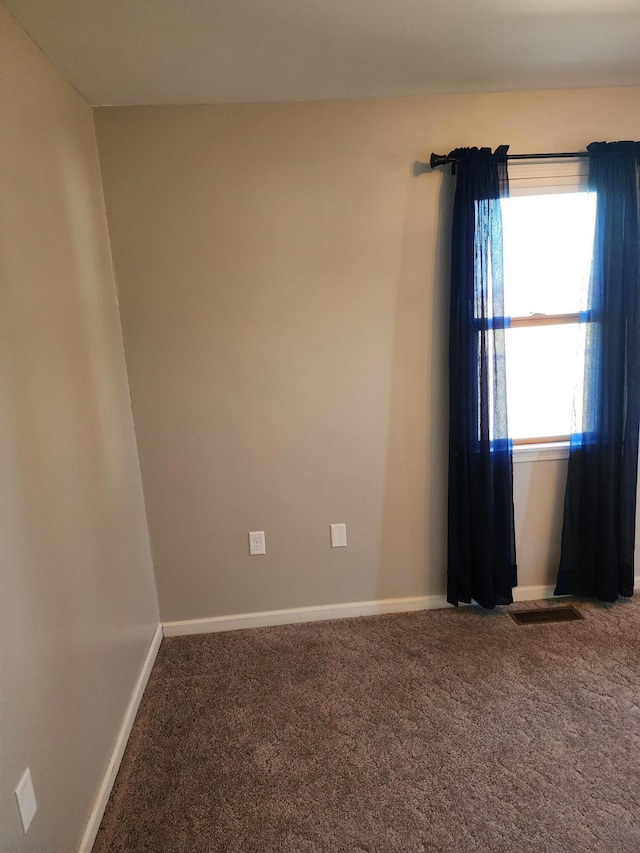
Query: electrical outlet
x=26 y=797
x=257 y=543
x=338 y=535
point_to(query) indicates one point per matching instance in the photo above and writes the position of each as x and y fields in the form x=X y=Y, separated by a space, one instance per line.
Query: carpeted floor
x=452 y=731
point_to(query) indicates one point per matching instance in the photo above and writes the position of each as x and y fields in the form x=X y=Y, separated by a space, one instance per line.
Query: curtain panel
x=598 y=536
x=481 y=535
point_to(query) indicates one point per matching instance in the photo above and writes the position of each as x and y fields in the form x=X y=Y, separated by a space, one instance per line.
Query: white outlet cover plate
x=257 y=543
x=26 y=797
x=338 y=535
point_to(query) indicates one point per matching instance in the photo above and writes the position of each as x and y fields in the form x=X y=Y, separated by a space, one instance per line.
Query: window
x=548 y=226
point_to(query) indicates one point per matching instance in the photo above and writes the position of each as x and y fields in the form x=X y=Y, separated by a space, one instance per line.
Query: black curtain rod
x=442 y=159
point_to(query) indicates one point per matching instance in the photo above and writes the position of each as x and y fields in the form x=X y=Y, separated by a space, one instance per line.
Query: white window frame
x=539 y=178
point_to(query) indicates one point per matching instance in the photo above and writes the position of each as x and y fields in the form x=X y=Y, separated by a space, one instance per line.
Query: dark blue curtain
x=598 y=533
x=481 y=540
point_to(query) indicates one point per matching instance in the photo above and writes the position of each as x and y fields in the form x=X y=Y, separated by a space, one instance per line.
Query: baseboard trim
x=301 y=614
x=109 y=777
x=328 y=611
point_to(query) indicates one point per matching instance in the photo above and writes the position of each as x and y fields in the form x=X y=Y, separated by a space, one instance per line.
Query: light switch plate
x=26 y=797
x=338 y=535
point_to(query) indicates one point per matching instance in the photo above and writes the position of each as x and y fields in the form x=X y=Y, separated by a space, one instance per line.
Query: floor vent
x=551 y=614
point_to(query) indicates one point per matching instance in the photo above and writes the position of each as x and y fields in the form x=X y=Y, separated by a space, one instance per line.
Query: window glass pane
x=544 y=366
x=548 y=241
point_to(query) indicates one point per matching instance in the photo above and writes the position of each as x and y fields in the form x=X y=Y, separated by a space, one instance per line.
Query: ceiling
x=229 y=51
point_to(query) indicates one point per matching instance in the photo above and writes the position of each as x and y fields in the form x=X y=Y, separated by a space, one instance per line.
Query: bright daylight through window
x=547 y=246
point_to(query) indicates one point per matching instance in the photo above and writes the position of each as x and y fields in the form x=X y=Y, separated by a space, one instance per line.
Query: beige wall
x=538 y=494
x=77 y=600
x=283 y=300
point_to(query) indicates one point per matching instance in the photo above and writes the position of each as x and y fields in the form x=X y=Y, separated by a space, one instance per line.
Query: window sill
x=541 y=452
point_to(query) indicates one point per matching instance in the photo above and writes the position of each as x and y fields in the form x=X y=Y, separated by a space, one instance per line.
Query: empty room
x=319 y=415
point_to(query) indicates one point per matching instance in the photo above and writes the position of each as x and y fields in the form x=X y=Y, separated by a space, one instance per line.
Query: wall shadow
x=413 y=523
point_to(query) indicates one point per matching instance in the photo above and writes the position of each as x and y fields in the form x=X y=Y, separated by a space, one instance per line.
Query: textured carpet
x=440 y=731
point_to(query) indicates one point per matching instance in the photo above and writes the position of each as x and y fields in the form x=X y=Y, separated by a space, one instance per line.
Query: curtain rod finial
x=438 y=160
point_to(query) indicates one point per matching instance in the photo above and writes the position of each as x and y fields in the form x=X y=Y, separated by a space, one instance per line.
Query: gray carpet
x=442 y=731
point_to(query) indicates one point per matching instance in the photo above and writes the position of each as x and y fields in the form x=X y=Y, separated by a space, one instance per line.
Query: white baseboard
x=301 y=614
x=328 y=611
x=109 y=777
